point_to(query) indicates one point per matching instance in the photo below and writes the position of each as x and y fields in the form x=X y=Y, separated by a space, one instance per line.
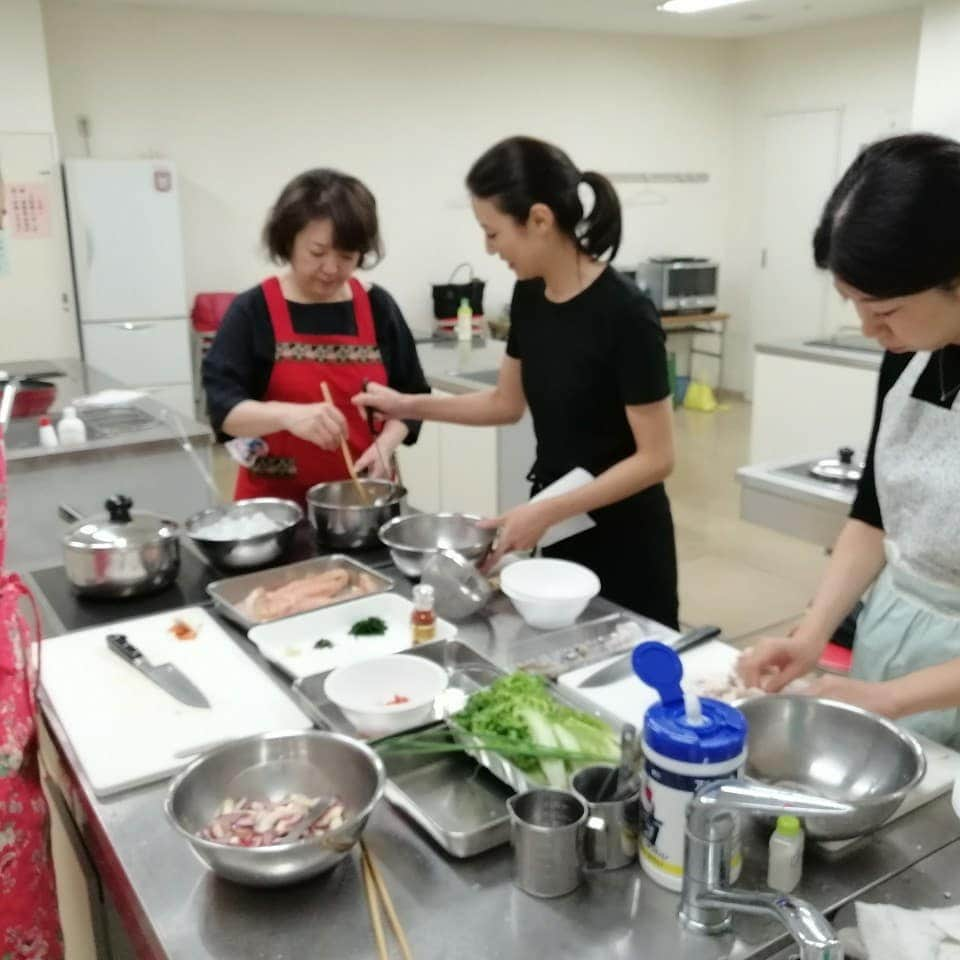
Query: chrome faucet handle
x=708 y=901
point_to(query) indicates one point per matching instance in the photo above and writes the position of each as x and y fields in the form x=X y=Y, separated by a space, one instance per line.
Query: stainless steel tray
x=456 y=803
x=228 y=595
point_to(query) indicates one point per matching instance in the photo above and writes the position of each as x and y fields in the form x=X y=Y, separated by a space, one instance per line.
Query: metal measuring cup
x=619 y=813
x=554 y=838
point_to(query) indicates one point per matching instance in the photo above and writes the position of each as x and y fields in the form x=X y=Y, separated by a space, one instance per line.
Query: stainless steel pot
x=343 y=521
x=120 y=553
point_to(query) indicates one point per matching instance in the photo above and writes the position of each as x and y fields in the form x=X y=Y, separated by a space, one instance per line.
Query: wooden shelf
x=690 y=319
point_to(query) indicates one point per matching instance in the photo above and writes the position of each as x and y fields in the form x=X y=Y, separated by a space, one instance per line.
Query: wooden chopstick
x=376 y=889
x=373 y=905
x=345 y=450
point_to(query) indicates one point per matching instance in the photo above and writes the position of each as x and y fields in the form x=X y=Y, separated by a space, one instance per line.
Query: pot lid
x=839 y=469
x=120 y=527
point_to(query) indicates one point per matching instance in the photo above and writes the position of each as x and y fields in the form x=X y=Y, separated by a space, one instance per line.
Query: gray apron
x=911 y=618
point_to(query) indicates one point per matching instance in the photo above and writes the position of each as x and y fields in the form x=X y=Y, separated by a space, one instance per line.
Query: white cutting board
x=630 y=697
x=124 y=729
x=289 y=643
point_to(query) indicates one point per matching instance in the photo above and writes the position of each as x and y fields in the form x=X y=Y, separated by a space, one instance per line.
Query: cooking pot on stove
x=120 y=553
x=839 y=469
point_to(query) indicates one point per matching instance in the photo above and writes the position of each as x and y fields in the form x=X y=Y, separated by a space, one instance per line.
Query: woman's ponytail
x=600 y=232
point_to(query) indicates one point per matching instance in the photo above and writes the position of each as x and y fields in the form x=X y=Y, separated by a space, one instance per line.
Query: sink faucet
x=708 y=901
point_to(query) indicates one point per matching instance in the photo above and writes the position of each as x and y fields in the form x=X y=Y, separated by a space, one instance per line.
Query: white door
x=36 y=302
x=126 y=239
x=800 y=168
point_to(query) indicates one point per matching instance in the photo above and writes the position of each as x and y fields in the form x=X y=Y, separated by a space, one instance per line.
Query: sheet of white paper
x=573 y=480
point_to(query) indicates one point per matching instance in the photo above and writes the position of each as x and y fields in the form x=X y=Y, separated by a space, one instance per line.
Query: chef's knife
x=623 y=667
x=164 y=675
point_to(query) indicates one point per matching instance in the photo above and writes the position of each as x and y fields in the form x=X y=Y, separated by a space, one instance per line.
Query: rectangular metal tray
x=229 y=594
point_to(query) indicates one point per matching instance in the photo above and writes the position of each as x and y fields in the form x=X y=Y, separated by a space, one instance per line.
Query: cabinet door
x=139 y=353
x=420 y=469
x=468 y=469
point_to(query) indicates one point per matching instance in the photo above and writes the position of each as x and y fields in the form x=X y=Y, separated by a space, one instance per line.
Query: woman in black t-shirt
x=586 y=353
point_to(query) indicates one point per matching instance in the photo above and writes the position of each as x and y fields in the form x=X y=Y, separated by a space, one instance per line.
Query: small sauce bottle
x=785 y=865
x=423 y=620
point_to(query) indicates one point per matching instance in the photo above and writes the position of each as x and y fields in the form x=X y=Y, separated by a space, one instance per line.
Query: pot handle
x=68 y=513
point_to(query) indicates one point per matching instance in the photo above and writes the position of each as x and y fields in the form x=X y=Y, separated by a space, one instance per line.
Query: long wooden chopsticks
x=345 y=450
x=377 y=896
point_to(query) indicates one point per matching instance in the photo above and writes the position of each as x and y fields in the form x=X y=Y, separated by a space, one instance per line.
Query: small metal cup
x=620 y=818
x=554 y=838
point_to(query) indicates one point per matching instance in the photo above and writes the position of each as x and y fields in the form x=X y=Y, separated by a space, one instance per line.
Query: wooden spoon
x=345 y=450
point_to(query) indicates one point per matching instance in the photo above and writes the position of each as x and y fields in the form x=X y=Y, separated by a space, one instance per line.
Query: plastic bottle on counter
x=785 y=864
x=46 y=434
x=71 y=430
x=687 y=741
x=465 y=321
x=423 y=620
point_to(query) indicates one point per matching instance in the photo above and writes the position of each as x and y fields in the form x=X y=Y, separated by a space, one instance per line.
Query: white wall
x=244 y=101
x=866 y=69
x=33 y=322
x=936 y=103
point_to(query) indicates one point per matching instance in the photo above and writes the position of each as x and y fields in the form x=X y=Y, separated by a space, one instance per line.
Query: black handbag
x=447 y=296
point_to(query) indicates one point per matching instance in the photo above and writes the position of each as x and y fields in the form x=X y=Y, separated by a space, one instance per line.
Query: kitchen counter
x=450 y=365
x=139 y=453
x=864 y=359
x=172 y=907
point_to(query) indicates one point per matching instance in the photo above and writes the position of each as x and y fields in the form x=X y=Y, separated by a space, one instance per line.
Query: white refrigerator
x=127 y=252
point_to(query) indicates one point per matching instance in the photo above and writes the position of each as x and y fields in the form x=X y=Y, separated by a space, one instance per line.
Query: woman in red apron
x=29 y=923
x=313 y=324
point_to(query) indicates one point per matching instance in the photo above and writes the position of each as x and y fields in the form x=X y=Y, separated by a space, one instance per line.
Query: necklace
x=945 y=394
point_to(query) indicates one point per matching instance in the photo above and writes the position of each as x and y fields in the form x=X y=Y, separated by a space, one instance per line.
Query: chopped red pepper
x=397 y=699
x=182 y=630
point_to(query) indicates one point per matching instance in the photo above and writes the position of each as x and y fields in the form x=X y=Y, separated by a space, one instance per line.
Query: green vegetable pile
x=370 y=627
x=517 y=718
x=519 y=709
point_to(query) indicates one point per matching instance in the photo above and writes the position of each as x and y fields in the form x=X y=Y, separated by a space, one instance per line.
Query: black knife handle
x=370 y=423
x=119 y=644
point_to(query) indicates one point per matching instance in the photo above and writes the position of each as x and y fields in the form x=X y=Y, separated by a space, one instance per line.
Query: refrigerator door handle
x=88 y=243
x=131 y=327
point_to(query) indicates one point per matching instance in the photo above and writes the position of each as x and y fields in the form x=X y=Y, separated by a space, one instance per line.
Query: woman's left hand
x=872 y=696
x=519 y=529
x=376 y=462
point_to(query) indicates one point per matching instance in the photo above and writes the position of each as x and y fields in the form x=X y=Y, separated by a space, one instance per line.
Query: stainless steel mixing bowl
x=343 y=521
x=269 y=767
x=247 y=552
x=836 y=751
x=413 y=539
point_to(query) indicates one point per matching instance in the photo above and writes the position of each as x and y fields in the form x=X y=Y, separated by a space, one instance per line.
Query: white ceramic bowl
x=363 y=692
x=549 y=594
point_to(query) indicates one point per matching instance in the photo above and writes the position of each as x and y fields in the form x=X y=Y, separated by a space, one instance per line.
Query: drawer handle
x=133 y=327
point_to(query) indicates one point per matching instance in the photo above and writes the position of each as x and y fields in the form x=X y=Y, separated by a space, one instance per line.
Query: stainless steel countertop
x=835 y=355
x=81 y=379
x=448 y=364
x=174 y=908
x=771 y=478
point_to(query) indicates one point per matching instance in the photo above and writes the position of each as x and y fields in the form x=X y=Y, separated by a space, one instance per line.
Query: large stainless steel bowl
x=835 y=751
x=343 y=521
x=269 y=767
x=247 y=552
x=413 y=539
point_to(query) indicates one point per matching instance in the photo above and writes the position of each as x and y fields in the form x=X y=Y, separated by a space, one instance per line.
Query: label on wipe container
x=665 y=797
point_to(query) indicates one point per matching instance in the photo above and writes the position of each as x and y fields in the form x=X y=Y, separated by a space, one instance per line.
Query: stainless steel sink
x=101 y=422
x=488 y=377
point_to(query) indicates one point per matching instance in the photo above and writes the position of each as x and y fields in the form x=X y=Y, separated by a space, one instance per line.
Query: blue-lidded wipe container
x=686 y=742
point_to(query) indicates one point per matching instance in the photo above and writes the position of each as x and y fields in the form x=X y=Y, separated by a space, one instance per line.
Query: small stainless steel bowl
x=415 y=538
x=343 y=521
x=833 y=750
x=247 y=552
x=269 y=767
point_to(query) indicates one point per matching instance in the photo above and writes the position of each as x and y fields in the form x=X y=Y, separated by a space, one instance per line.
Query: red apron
x=301 y=363
x=29 y=923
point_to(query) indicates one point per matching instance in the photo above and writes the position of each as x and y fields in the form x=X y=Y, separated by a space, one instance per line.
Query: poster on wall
x=28 y=209
x=4 y=254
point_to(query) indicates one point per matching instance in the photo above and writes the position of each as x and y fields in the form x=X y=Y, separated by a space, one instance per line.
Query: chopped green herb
x=370 y=627
x=323 y=644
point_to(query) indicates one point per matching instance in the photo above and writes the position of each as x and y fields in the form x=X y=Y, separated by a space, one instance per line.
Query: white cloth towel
x=570 y=527
x=894 y=933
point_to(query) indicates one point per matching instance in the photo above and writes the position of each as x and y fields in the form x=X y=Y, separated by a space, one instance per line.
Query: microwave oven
x=680 y=284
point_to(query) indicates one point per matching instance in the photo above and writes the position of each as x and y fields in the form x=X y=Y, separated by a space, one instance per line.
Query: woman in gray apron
x=890 y=235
